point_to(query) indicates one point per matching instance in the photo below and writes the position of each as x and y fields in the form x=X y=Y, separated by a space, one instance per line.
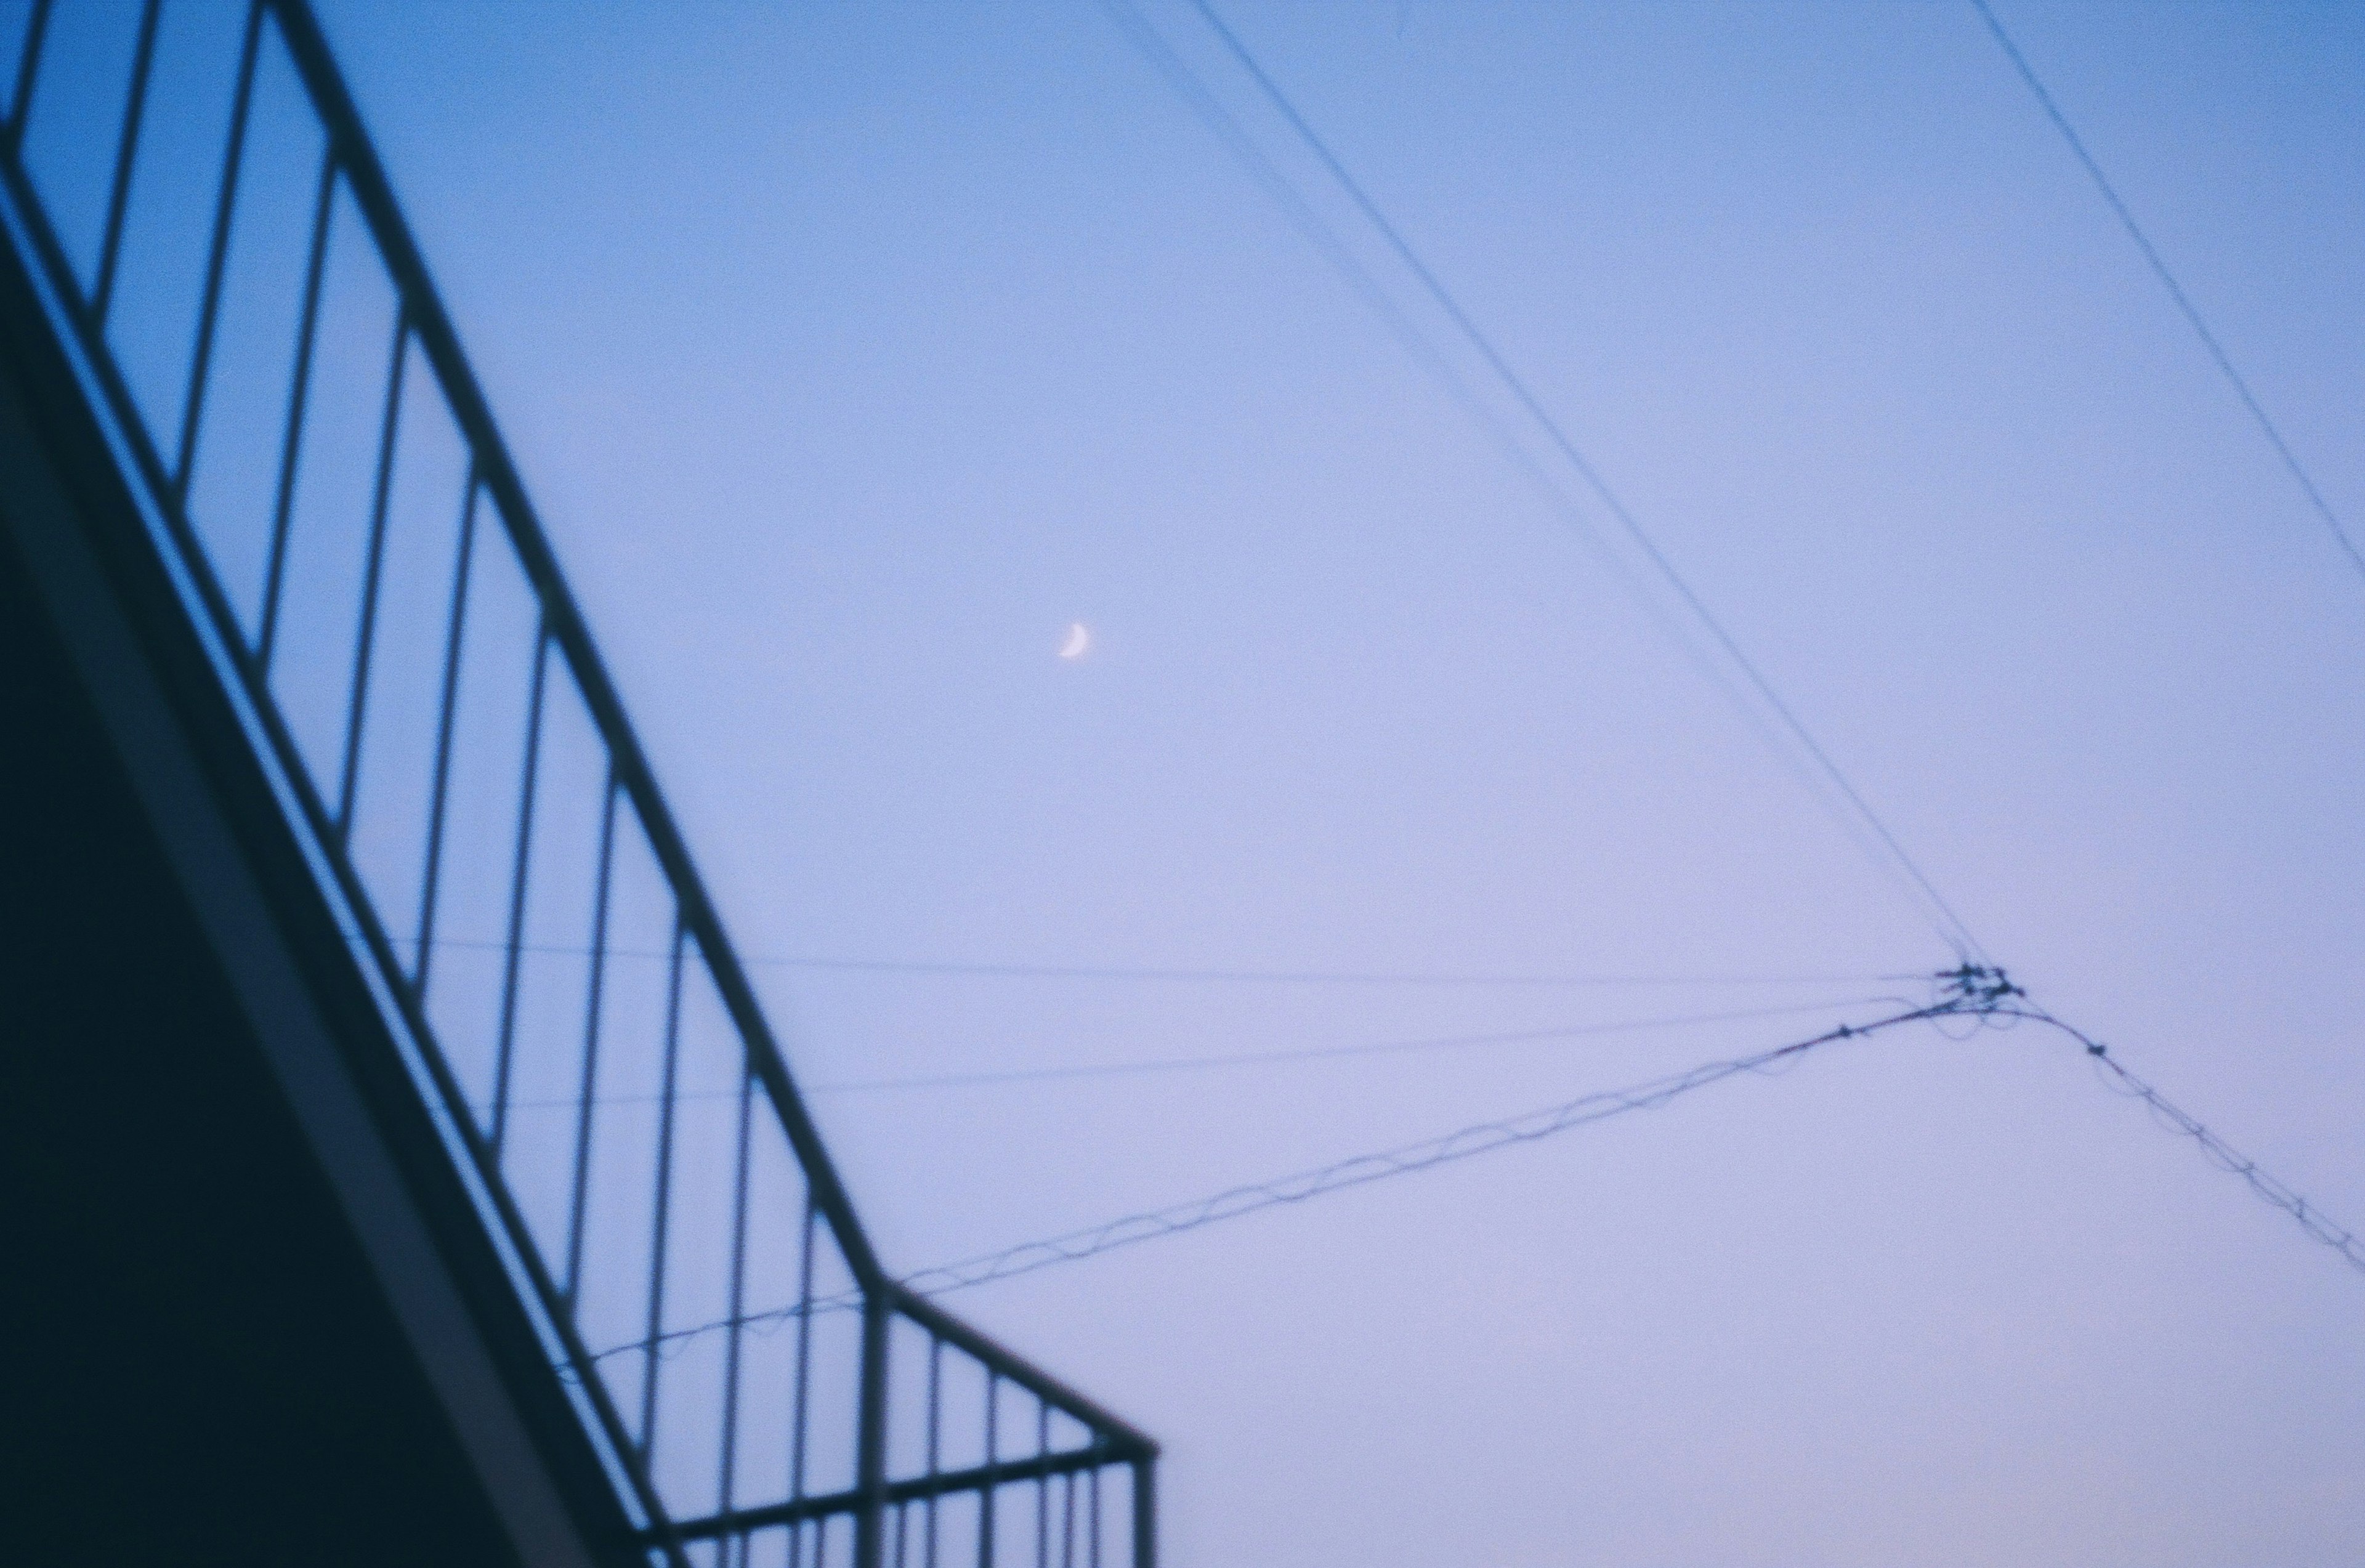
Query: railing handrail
x=420 y=319
x=374 y=195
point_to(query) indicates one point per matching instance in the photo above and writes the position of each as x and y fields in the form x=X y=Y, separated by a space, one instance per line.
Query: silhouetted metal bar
x=664 y=1201
x=985 y=1525
x=440 y=790
x=870 y=1436
x=283 y=504
x=118 y=195
x=515 y=948
x=1042 y=1487
x=935 y=1433
x=1145 y=1514
x=374 y=195
x=980 y=1479
x=590 y=1080
x=732 y=1348
x=799 y=1404
x=1033 y=1380
x=565 y=630
x=558 y=628
x=608 y=1424
x=1093 y=1480
x=344 y=882
x=20 y=101
x=365 y=635
x=210 y=306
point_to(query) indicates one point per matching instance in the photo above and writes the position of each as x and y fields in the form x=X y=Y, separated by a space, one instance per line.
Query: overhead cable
x=1971 y=997
x=1414 y=978
x=1469 y=1142
x=1232 y=1059
x=2270 y=1188
x=2183 y=301
x=1977 y=994
x=1859 y=816
x=1331 y=1053
x=1317 y=977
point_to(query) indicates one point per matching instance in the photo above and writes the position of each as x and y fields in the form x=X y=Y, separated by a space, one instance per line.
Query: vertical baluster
x=1094 y=1510
x=663 y=1203
x=20 y=100
x=439 y=789
x=1144 y=1515
x=365 y=636
x=1042 y=1486
x=992 y=1457
x=738 y=1290
x=588 y=1086
x=871 y=1434
x=517 y=889
x=798 y=1403
x=935 y=1433
x=1067 y=1520
x=298 y=394
x=118 y=195
x=209 y=306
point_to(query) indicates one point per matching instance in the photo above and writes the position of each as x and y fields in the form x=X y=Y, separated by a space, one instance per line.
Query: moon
x=1078 y=641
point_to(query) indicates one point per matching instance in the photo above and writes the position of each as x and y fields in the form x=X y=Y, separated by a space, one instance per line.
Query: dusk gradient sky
x=852 y=353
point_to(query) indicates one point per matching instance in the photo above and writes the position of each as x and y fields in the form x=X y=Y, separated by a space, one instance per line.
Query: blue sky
x=855 y=353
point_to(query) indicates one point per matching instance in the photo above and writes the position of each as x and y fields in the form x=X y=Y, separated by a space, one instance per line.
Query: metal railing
x=223 y=258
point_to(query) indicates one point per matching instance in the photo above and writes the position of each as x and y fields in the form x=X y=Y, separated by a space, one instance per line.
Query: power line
x=1886 y=848
x=1191 y=976
x=1318 y=977
x=1974 y=992
x=1467 y=1143
x=1979 y=994
x=1322 y=1053
x=1240 y=1058
x=2225 y=1157
x=1425 y=353
x=2183 y=301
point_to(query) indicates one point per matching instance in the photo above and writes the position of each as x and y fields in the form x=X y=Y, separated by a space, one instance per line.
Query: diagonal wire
x=1982 y=996
x=2270 y=1188
x=1469 y=1142
x=1312 y=977
x=1952 y=926
x=1186 y=976
x=1328 y=1053
x=1237 y=1059
x=1425 y=353
x=2183 y=301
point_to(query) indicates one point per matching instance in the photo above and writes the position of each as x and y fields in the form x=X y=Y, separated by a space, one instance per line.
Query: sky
x=854 y=353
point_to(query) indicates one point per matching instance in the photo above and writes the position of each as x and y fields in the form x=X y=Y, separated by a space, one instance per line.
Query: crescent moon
x=1078 y=641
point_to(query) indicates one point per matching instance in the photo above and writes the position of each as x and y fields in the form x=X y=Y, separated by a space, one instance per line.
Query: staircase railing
x=223 y=258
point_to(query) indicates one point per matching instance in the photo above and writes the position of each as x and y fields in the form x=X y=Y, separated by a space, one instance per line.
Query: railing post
x=1145 y=1513
x=870 y=1475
